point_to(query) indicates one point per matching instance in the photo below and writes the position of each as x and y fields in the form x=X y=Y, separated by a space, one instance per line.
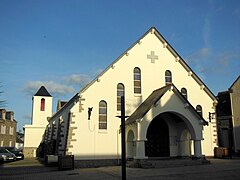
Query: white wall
x=33 y=135
x=40 y=117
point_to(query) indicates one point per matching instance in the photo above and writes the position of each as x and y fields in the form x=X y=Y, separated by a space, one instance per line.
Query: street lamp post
x=123 y=138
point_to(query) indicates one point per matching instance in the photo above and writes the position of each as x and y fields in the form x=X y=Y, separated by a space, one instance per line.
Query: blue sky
x=63 y=44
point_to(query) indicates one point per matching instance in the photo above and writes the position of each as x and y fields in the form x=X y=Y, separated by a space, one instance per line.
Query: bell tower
x=41 y=107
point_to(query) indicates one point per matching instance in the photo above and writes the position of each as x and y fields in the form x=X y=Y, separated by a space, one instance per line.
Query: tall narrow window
x=199 y=109
x=42 y=104
x=137 y=80
x=11 y=130
x=168 y=77
x=102 y=115
x=3 y=129
x=120 y=92
x=184 y=92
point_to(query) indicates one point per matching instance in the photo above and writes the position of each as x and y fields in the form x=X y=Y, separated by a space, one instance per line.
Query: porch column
x=140 y=144
x=197 y=148
x=140 y=150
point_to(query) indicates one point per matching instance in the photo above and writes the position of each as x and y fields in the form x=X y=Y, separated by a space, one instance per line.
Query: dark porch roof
x=152 y=99
x=147 y=104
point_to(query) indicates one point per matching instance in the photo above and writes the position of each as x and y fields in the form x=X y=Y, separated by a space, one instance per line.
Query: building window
x=184 y=92
x=2 y=143
x=120 y=92
x=10 y=143
x=42 y=104
x=102 y=115
x=199 y=109
x=137 y=80
x=3 y=129
x=11 y=130
x=168 y=77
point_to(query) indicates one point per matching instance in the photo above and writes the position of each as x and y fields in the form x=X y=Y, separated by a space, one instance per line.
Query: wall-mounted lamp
x=211 y=116
x=89 y=112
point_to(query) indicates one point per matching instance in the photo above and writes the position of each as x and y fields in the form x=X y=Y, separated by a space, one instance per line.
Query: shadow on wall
x=229 y=138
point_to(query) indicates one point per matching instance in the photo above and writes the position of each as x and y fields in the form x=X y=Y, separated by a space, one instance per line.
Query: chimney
x=2 y=114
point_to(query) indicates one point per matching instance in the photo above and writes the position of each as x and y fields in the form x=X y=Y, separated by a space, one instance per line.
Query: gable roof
x=234 y=83
x=66 y=105
x=147 y=104
x=60 y=104
x=171 y=49
x=42 y=92
x=152 y=99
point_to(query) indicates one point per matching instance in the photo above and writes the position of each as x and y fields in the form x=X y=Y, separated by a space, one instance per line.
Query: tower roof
x=42 y=92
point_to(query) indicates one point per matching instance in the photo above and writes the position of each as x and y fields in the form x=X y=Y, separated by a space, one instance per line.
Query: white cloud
x=225 y=59
x=77 y=79
x=206 y=62
x=54 y=88
x=199 y=55
x=58 y=87
x=199 y=61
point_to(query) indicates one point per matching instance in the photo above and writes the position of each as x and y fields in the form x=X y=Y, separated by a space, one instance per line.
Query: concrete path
x=218 y=169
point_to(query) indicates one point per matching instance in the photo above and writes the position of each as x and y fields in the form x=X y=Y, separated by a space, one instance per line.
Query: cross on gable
x=152 y=56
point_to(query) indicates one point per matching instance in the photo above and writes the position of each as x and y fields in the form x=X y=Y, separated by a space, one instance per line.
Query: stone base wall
x=96 y=163
x=29 y=152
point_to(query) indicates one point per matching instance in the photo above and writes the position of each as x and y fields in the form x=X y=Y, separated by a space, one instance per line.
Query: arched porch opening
x=169 y=134
x=131 y=145
x=157 y=144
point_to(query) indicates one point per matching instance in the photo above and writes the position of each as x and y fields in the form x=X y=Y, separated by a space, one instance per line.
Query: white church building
x=167 y=103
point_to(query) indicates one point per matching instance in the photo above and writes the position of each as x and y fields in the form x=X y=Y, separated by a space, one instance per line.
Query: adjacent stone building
x=8 y=126
x=228 y=117
x=19 y=140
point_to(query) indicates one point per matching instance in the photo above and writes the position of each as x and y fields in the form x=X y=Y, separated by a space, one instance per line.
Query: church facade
x=167 y=104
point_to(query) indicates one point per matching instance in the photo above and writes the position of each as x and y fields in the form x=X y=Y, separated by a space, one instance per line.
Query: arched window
x=102 y=115
x=184 y=92
x=42 y=108
x=199 y=109
x=137 y=80
x=168 y=77
x=120 y=92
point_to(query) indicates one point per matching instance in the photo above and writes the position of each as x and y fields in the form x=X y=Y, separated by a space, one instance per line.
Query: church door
x=157 y=144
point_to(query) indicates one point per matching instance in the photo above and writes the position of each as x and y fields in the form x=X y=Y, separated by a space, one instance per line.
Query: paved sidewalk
x=218 y=169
